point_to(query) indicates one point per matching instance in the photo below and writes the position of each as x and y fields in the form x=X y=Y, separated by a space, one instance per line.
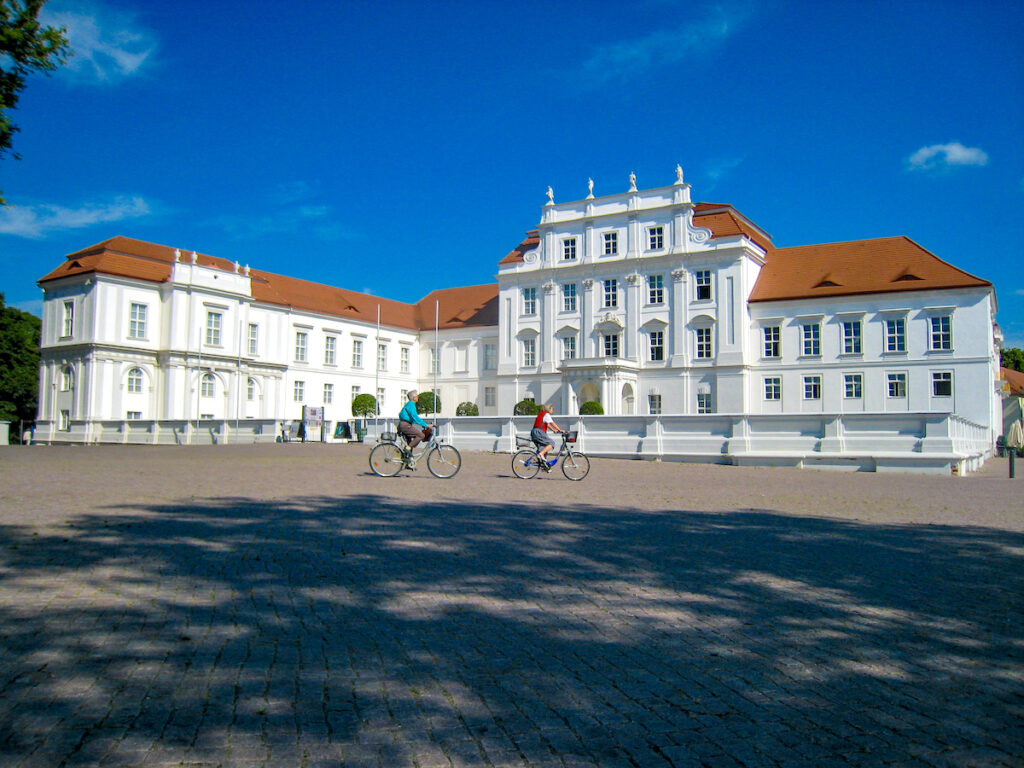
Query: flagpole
x=376 y=379
x=437 y=362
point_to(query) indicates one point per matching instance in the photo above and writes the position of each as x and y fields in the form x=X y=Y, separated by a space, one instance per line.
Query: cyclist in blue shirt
x=412 y=427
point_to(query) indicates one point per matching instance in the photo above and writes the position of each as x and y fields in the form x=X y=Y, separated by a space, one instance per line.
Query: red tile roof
x=516 y=254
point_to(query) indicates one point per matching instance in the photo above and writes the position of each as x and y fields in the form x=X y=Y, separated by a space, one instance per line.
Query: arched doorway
x=587 y=391
x=628 y=400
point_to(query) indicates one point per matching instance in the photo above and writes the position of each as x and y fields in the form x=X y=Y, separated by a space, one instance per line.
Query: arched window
x=135 y=380
x=209 y=385
x=250 y=391
x=67 y=379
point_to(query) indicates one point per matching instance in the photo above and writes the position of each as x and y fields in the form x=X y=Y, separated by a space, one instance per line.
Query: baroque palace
x=677 y=317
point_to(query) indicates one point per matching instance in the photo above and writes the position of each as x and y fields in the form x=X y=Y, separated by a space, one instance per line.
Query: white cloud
x=108 y=46
x=944 y=156
x=37 y=221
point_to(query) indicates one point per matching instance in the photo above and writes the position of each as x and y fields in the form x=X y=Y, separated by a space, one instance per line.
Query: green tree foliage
x=526 y=408
x=364 y=405
x=1012 y=358
x=25 y=47
x=591 y=408
x=467 y=409
x=428 y=402
x=19 y=363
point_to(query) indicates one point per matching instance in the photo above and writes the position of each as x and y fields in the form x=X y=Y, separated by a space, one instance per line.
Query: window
x=942 y=383
x=942 y=335
x=655 y=289
x=490 y=357
x=851 y=337
x=328 y=394
x=67 y=379
x=896 y=335
x=208 y=387
x=299 y=391
x=853 y=386
x=137 y=321
x=812 y=339
x=611 y=243
x=657 y=345
x=330 y=350
x=569 y=297
x=569 y=249
x=65 y=421
x=250 y=390
x=773 y=388
x=380 y=399
x=703 y=343
x=403 y=359
x=435 y=360
x=529 y=352
x=213 y=324
x=135 y=381
x=569 y=348
x=772 y=340
x=133 y=415
x=611 y=345
x=611 y=293
x=355 y=391
x=489 y=396
x=206 y=416
x=655 y=238
x=382 y=357
x=357 y=353
x=529 y=301
x=704 y=402
x=897 y=384
x=69 y=319
x=254 y=336
x=301 y=341
x=812 y=387
x=702 y=283
x=654 y=405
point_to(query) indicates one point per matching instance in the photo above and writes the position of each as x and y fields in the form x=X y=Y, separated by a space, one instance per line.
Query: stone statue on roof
x=590 y=188
x=551 y=196
x=679 y=174
x=632 y=182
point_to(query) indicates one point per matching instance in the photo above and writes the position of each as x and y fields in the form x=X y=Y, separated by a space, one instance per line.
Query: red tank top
x=538 y=423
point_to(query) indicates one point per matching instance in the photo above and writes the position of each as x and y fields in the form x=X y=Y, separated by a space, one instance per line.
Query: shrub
x=364 y=405
x=591 y=408
x=428 y=402
x=526 y=408
x=467 y=409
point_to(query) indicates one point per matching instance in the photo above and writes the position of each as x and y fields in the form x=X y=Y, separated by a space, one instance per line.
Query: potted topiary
x=526 y=408
x=591 y=408
x=467 y=409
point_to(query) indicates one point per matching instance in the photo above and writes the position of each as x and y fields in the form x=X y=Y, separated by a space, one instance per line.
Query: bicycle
x=389 y=457
x=526 y=463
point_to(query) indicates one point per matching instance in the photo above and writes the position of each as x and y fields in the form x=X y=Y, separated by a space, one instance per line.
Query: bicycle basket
x=388 y=437
x=523 y=442
x=570 y=437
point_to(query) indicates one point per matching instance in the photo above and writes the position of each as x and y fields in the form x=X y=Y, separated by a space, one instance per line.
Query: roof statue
x=632 y=182
x=590 y=189
x=551 y=196
x=679 y=174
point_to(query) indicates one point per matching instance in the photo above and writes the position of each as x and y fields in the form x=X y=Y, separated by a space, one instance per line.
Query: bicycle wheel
x=444 y=461
x=525 y=465
x=575 y=466
x=386 y=459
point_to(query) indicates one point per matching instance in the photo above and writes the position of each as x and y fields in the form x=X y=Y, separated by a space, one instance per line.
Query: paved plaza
x=277 y=605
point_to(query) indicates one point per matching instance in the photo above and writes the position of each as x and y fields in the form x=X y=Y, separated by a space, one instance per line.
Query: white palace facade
x=681 y=319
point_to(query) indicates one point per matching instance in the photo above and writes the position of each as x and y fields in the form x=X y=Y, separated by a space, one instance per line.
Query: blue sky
x=399 y=147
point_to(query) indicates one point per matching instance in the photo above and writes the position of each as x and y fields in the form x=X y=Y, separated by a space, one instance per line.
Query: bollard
x=1013 y=456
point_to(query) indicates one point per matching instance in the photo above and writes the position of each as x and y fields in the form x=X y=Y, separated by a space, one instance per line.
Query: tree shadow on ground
x=363 y=631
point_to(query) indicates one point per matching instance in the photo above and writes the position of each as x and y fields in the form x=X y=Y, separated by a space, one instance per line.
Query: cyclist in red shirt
x=539 y=435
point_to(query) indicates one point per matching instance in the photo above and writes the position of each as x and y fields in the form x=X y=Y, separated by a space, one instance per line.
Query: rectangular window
x=382 y=357
x=403 y=359
x=611 y=293
x=569 y=348
x=942 y=334
x=773 y=388
x=529 y=352
x=133 y=415
x=812 y=387
x=655 y=289
x=213 y=324
x=490 y=357
x=657 y=345
x=569 y=249
x=254 y=336
x=65 y=421
x=772 y=341
x=896 y=335
x=851 y=337
x=703 y=343
x=380 y=399
x=137 y=321
x=67 y=379
x=702 y=284
x=328 y=394
x=355 y=391
x=489 y=397
x=654 y=405
x=301 y=344
x=812 y=339
x=704 y=402
x=529 y=301
x=942 y=383
x=250 y=390
x=357 y=353
x=435 y=360
x=611 y=243
x=299 y=391
x=853 y=386
x=330 y=350
x=208 y=387
x=69 y=319
x=611 y=345
x=655 y=238
x=569 y=297
x=897 y=384
x=135 y=381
